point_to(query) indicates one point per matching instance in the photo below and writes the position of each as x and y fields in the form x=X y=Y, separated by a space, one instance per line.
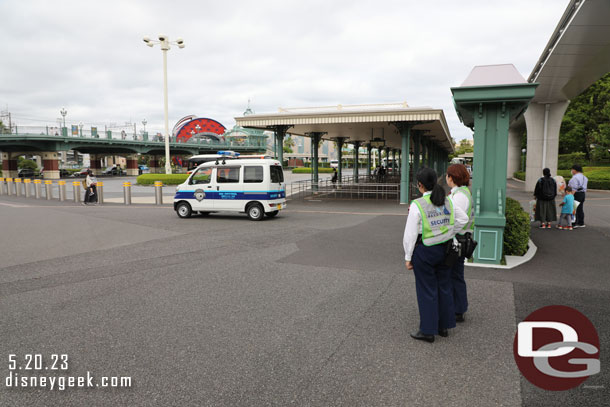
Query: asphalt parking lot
x=313 y=307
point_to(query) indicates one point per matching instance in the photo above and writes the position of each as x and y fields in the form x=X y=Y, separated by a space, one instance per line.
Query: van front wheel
x=255 y=211
x=184 y=210
x=272 y=214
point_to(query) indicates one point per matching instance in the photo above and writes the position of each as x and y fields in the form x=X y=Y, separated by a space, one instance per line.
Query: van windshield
x=277 y=175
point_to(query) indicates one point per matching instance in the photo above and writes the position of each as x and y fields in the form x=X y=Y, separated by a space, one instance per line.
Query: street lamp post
x=523 y=160
x=80 y=126
x=144 y=124
x=164 y=42
x=63 y=112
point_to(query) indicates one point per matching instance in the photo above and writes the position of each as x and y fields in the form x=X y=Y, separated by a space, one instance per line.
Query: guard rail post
x=1 y=185
x=127 y=193
x=76 y=191
x=18 y=186
x=100 y=192
x=47 y=188
x=37 y=187
x=158 y=193
x=9 y=186
x=26 y=184
x=62 y=190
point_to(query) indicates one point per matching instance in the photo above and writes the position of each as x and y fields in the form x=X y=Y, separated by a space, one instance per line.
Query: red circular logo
x=556 y=348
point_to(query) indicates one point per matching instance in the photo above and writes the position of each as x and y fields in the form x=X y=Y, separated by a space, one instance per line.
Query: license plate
x=279 y=206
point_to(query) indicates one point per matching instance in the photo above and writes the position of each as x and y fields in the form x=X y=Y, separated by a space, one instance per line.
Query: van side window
x=277 y=175
x=227 y=175
x=203 y=176
x=253 y=173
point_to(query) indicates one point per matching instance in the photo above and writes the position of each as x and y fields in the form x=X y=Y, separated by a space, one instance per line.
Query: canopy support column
x=340 y=141
x=356 y=151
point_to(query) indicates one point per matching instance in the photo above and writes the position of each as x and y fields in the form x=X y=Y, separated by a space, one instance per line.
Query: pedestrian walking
x=578 y=183
x=545 y=193
x=431 y=224
x=567 y=210
x=458 y=179
x=334 y=178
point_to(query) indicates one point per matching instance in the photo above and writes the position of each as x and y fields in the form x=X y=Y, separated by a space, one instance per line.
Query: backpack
x=549 y=188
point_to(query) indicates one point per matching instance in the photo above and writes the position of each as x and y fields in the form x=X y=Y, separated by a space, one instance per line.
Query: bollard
x=48 y=184
x=62 y=190
x=9 y=186
x=37 y=183
x=127 y=193
x=100 y=193
x=26 y=184
x=1 y=186
x=76 y=190
x=18 y=186
x=158 y=193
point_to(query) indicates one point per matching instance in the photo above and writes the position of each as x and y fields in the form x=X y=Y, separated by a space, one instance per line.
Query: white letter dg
x=525 y=338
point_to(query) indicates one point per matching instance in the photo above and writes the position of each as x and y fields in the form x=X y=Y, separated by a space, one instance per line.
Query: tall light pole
x=64 y=112
x=164 y=42
x=144 y=124
x=80 y=126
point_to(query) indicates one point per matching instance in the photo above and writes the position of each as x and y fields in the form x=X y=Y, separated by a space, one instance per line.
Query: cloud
x=90 y=58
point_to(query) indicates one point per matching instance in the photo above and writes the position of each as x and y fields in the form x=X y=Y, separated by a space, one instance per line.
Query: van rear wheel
x=184 y=210
x=255 y=211
x=272 y=213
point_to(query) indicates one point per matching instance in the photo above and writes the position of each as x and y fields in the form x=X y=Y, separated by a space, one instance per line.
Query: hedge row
x=517 y=230
x=167 y=179
x=303 y=170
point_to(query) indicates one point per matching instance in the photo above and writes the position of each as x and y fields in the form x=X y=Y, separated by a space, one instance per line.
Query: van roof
x=244 y=161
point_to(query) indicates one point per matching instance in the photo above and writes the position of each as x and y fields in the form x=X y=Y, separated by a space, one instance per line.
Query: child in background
x=567 y=208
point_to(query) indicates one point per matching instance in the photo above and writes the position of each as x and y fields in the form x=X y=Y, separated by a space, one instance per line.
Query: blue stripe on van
x=239 y=195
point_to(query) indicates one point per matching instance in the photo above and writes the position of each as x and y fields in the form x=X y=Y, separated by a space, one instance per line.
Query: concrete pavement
x=311 y=308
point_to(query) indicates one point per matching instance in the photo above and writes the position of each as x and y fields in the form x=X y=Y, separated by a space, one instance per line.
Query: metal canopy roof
x=577 y=54
x=357 y=123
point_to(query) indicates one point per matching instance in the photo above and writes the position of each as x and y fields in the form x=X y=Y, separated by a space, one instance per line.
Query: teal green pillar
x=489 y=109
x=280 y=133
x=368 y=161
x=109 y=134
x=416 y=154
x=340 y=142
x=356 y=151
x=393 y=161
x=405 y=134
x=315 y=142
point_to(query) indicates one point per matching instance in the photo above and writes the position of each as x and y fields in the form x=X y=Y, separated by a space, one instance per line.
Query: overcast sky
x=89 y=56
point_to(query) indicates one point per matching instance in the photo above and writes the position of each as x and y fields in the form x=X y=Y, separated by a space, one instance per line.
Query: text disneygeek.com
x=23 y=371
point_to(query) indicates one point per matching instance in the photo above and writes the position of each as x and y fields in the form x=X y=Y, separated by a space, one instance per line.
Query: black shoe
x=459 y=318
x=422 y=337
x=443 y=332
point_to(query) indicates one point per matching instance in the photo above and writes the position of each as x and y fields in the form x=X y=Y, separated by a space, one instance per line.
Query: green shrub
x=167 y=179
x=517 y=230
x=304 y=170
x=520 y=175
x=566 y=161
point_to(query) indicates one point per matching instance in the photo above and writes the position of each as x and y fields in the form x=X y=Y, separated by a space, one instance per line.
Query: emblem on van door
x=199 y=194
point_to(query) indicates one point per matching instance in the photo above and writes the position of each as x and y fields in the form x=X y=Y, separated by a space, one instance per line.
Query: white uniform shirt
x=414 y=226
x=460 y=200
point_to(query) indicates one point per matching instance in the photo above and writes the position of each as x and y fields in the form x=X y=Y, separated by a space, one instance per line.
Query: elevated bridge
x=40 y=141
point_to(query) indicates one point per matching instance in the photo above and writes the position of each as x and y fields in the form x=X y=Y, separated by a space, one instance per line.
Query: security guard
x=458 y=179
x=431 y=223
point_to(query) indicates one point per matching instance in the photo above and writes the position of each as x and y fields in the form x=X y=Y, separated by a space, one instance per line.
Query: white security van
x=253 y=186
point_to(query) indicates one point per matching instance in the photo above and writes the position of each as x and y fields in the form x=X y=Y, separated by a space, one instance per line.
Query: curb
x=511 y=261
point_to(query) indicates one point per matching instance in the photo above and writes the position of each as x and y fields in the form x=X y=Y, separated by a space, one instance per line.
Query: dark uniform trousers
x=460 y=297
x=434 y=289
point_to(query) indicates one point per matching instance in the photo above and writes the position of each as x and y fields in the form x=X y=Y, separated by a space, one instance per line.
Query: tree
x=288 y=144
x=587 y=120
